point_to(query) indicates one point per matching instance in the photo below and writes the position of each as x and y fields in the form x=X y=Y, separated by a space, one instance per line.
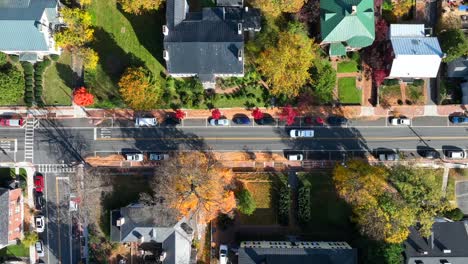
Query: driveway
x=461 y=191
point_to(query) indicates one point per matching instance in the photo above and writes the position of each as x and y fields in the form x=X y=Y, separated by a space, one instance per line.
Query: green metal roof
x=337 y=49
x=339 y=23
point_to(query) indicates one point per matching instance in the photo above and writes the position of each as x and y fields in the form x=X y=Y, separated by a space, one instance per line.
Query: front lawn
x=389 y=94
x=347 y=91
x=58 y=81
x=415 y=93
x=347 y=66
x=262 y=193
x=121 y=40
x=15 y=251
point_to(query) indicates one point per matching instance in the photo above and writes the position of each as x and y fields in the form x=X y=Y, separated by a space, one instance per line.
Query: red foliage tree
x=82 y=97
x=381 y=30
x=379 y=76
x=257 y=114
x=288 y=113
x=216 y=114
x=179 y=114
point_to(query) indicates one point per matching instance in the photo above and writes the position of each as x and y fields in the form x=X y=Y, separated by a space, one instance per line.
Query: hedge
x=54 y=57
x=284 y=203
x=28 y=94
x=303 y=201
x=14 y=58
x=3 y=58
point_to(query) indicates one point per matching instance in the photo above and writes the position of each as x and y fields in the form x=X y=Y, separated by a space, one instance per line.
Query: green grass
x=262 y=193
x=415 y=93
x=348 y=92
x=390 y=90
x=58 y=80
x=254 y=96
x=347 y=66
x=15 y=251
x=330 y=214
x=121 y=40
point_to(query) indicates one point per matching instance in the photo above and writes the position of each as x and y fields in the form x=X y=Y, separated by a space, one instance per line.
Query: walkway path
x=445 y=179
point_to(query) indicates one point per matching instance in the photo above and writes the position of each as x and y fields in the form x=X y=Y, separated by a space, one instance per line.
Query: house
x=280 y=252
x=415 y=55
x=347 y=25
x=11 y=223
x=458 y=68
x=27 y=26
x=447 y=244
x=209 y=43
x=156 y=230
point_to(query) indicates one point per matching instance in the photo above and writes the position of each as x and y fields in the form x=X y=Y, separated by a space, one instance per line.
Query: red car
x=39 y=182
x=12 y=122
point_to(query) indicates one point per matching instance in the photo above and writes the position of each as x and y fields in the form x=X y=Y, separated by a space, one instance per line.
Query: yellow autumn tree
x=276 y=7
x=139 y=6
x=90 y=58
x=78 y=31
x=138 y=88
x=401 y=7
x=195 y=183
x=286 y=65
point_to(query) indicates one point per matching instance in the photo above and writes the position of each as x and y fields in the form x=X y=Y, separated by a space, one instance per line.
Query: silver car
x=219 y=122
x=40 y=248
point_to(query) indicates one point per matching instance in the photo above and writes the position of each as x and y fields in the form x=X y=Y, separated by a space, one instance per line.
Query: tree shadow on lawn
x=67 y=75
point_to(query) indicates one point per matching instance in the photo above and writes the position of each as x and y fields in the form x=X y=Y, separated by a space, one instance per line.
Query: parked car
x=400 y=121
x=314 y=121
x=40 y=249
x=134 y=156
x=389 y=156
x=294 y=157
x=430 y=154
x=11 y=122
x=459 y=119
x=39 y=182
x=456 y=154
x=294 y=133
x=39 y=223
x=337 y=120
x=219 y=122
x=266 y=121
x=158 y=156
x=223 y=252
x=145 y=122
x=171 y=121
x=39 y=201
x=241 y=120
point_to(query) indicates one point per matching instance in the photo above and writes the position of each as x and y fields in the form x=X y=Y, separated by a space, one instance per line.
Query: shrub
x=284 y=203
x=27 y=67
x=54 y=57
x=418 y=82
x=38 y=93
x=3 y=58
x=38 y=88
x=29 y=87
x=454 y=214
x=46 y=63
x=224 y=221
x=303 y=201
x=391 y=82
x=245 y=202
x=28 y=94
x=14 y=58
x=28 y=81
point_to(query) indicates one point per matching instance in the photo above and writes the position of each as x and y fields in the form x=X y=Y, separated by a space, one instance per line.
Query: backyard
x=262 y=193
x=348 y=92
x=58 y=82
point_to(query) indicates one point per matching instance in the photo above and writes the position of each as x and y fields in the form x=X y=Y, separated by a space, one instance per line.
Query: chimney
x=447 y=251
x=246 y=9
x=239 y=28
x=120 y=221
x=162 y=257
x=165 y=30
x=165 y=55
x=354 y=10
x=239 y=55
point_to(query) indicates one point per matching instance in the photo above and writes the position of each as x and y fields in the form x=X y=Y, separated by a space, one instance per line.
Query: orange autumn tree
x=139 y=90
x=82 y=97
x=195 y=183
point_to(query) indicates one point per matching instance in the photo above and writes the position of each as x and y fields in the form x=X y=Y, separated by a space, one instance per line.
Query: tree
x=82 y=97
x=275 y=8
x=29 y=238
x=381 y=30
x=195 y=183
x=245 y=202
x=139 y=6
x=257 y=114
x=323 y=80
x=288 y=114
x=79 y=29
x=303 y=201
x=11 y=85
x=138 y=89
x=90 y=58
x=3 y=59
x=286 y=65
x=179 y=114
x=454 y=43
x=401 y=7
x=216 y=114
x=379 y=76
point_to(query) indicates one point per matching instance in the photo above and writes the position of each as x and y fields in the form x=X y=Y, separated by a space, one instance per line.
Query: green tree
x=323 y=80
x=454 y=43
x=245 y=202
x=3 y=59
x=29 y=238
x=11 y=85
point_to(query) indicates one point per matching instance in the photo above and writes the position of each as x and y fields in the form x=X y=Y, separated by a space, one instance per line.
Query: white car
x=294 y=157
x=40 y=248
x=223 y=252
x=39 y=223
x=134 y=157
x=219 y=122
x=400 y=121
x=145 y=122
x=294 y=133
x=456 y=154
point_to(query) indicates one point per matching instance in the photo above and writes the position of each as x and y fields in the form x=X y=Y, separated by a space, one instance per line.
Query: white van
x=145 y=122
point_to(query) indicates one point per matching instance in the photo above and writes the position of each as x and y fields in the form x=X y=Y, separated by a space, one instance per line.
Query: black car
x=241 y=120
x=337 y=120
x=39 y=200
x=430 y=154
x=171 y=121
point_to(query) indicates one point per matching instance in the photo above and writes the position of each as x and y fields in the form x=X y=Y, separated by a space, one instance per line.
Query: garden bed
x=389 y=94
x=348 y=92
x=415 y=92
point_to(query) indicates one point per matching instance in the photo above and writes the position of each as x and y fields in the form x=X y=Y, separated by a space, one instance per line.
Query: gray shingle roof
x=229 y=2
x=451 y=236
x=4 y=199
x=458 y=68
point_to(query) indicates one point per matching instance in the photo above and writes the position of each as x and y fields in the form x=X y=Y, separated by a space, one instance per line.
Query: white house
x=26 y=28
x=415 y=54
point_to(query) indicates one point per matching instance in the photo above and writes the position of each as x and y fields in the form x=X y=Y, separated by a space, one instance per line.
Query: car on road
x=219 y=122
x=456 y=154
x=11 y=122
x=266 y=121
x=337 y=120
x=400 y=121
x=39 y=182
x=39 y=223
x=314 y=121
x=241 y=120
x=39 y=201
x=389 y=156
x=171 y=121
x=295 y=133
x=295 y=157
x=223 y=254
x=158 y=156
x=40 y=248
x=145 y=122
x=134 y=156
x=459 y=119
x=430 y=154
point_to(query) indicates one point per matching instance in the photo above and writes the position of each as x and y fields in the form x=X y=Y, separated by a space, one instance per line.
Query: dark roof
x=229 y=2
x=451 y=236
x=4 y=202
x=297 y=256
